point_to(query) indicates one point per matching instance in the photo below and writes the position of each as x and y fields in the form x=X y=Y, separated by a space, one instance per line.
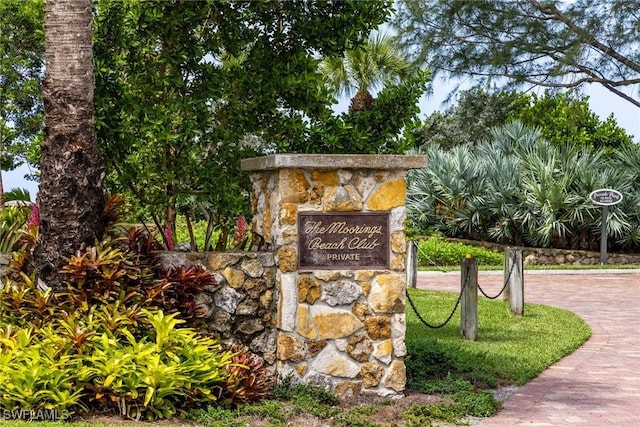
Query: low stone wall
x=242 y=308
x=538 y=256
x=547 y=256
x=5 y=260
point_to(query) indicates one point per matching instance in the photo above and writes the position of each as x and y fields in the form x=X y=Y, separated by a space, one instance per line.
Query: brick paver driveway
x=597 y=385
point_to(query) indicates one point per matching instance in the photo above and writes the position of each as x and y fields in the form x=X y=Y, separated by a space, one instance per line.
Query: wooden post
x=469 y=301
x=514 y=279
x=412 y=263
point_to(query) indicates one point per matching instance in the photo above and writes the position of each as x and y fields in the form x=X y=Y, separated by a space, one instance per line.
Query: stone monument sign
x=336 y=225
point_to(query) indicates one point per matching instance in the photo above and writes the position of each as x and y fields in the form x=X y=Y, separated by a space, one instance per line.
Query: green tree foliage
x=470 y=120
x=186 y=89
x=21 y=70
x=376 y=130
x=550 y=44
x=372 y=125
x=377 y=62
x=561 y=118
x=517 y=188
x=565 y=119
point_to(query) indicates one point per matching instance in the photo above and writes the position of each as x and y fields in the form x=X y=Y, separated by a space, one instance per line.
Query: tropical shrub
x=247 y=382
x=35 y=374
x=71 y=368
x=12 y=223
x=155 y=376
x=517 y=188
x=437 y=252
x=627 y=159
x=105 y=342
x=9 y=237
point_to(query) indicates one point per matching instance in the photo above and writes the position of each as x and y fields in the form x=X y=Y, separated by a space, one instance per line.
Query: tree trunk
x=1 y=183
x=1 y=192
x=171 y=213
x=362 y=101
x=71 y=195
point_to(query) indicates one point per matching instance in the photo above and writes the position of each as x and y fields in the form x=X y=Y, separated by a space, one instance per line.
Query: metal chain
x=455 y=308
x=464 y=284
x=506 y=282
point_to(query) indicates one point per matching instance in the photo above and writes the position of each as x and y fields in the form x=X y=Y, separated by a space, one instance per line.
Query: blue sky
x=601 y=101
x=604 y=103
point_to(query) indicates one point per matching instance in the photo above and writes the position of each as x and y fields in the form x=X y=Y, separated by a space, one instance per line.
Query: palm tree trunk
x=1 y=192
x=362 y=101
x=1 y=183
x=71 y=196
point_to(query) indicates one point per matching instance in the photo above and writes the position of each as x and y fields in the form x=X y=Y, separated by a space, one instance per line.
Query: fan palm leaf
x=367 y=68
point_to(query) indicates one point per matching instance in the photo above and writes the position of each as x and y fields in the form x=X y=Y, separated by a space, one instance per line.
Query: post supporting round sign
x=605 y=197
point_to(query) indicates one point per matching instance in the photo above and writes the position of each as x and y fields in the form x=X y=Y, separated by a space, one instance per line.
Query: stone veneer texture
x=241 y=308
x=343 y=330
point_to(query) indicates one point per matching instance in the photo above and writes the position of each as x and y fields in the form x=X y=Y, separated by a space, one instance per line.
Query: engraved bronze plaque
x=358 y=240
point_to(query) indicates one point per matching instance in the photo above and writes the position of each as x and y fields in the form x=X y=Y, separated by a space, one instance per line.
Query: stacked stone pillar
x=340 y=325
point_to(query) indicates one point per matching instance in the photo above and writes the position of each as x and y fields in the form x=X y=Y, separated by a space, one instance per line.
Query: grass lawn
x=450 y=374
x=509 y=349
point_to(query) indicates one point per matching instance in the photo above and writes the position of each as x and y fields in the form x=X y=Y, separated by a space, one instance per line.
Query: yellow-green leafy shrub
x=437 y=252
